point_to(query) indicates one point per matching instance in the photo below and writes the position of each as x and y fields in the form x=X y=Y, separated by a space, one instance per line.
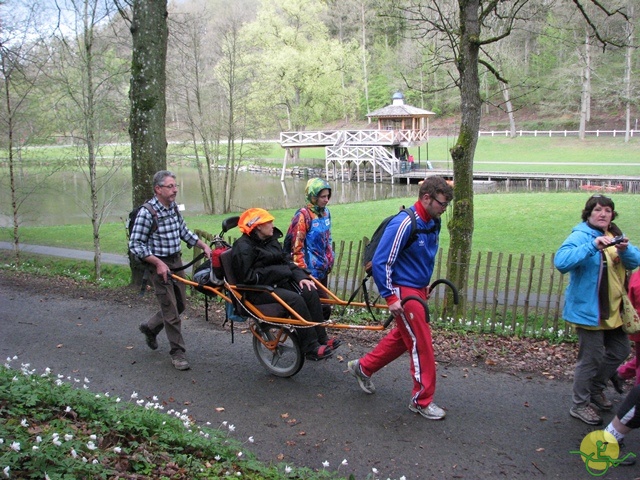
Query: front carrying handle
x=456 y=299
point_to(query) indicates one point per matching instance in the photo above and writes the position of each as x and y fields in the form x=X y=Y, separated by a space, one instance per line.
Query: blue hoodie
x=579 y=257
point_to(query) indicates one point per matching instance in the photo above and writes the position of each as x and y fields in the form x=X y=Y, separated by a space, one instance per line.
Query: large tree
x=22 y=61
x=88 y=76
x=303 y=76
x=147 y=94
x=468 y=27
x=147 y=122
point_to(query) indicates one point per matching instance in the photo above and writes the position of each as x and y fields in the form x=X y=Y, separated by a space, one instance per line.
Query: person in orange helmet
x=258 y=259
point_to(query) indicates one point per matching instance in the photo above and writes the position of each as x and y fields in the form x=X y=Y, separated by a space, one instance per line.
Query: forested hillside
x=248 y=69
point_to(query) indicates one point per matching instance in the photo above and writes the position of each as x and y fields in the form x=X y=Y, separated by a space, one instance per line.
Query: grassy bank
x=529 y=223
x=593 y=155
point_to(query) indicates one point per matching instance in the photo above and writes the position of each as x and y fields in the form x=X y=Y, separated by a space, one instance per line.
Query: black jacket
x=262 y=262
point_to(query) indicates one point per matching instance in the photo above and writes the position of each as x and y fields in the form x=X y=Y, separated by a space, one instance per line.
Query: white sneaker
x=365 y=382
x=431 y=411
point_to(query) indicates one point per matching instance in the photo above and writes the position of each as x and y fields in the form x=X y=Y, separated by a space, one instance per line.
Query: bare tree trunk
x=462 y=222
x=6 y=73
x=147 y=94
x=585 y=104
x=365 y=75
x=149 y=31
x=88 y=16
x=627 y=72
x=509 y=107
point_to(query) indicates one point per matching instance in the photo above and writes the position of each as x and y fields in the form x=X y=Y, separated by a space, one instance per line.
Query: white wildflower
x=91 y=446
x=15 y=446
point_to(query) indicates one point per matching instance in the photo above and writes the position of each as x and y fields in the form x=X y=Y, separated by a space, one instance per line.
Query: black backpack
x=370 y=248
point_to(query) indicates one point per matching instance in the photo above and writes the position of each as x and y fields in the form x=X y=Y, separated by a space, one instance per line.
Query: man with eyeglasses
x=155 y=239
x=401 y=271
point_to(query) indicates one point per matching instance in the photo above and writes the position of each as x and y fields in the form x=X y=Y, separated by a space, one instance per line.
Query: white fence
x=557 y=133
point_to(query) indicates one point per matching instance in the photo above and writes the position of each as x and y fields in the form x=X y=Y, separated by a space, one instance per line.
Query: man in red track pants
x=402 y=267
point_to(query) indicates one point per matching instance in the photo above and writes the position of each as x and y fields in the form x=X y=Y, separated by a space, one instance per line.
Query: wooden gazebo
x=399 y=126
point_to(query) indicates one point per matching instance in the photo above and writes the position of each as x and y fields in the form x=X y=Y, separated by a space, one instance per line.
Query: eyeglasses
x=442 y=204
x=170 y=186
x=600 y=196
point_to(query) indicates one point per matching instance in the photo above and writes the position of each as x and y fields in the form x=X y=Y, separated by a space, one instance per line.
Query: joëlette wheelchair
x=273 y=325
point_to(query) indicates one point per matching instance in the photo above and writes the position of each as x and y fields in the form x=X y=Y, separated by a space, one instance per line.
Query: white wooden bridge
x=378 y=152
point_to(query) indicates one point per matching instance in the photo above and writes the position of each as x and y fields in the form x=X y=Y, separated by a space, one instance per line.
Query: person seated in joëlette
x=257 y=258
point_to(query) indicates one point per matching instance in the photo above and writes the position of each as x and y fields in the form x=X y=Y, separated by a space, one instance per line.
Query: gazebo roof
x=399 y=110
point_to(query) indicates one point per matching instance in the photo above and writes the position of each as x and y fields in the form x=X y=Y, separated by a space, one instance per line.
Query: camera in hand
x=617 y=240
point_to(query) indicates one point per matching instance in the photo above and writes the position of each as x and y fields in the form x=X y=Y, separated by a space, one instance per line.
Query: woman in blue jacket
x=596 y=255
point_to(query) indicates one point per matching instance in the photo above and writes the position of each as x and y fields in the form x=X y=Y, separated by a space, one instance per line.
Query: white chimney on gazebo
x=398 y=98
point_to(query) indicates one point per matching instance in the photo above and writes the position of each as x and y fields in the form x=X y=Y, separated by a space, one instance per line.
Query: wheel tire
x=287 y=359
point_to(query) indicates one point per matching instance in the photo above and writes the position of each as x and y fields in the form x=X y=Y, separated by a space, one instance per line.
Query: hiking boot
x=149 y=336
x=600 y=401
x=179 y=362
x=365 y=382
x=431 y=411
x=587 y=414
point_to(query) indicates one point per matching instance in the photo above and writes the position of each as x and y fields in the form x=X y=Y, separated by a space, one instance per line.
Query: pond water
x=63 y=198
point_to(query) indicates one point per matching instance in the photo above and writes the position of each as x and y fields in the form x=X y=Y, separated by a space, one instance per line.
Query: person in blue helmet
x=308 y=238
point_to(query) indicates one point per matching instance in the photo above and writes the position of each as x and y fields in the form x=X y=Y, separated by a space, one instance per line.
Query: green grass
x=113 y=276
x=529 y=223
x=604 y=155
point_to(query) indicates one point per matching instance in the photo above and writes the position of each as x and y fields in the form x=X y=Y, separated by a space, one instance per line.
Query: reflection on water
x=64 y=197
